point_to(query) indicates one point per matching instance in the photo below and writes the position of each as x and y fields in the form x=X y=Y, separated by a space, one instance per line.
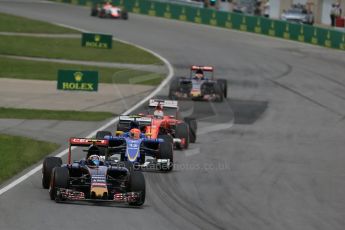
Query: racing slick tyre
x=94 y=12
x=182 y=132
x=124 y=15
x=102 y=13
x=47 y=167
x=193 y=126
x=60 y=177
x=174 y=87
x=128 y=165
x=122 y=127
x=166 y=153
x=224 y=86
x=101 y=134
x=137 y=184
x=166 y=138
x=218 y=91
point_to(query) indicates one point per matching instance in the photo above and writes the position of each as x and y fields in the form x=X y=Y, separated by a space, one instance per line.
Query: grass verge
x=17 y=153
x=70 y=48
x=11 y=23
x=40 y=114
x=23 y=69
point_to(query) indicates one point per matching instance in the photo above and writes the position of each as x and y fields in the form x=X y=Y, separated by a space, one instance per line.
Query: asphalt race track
x=270 y=157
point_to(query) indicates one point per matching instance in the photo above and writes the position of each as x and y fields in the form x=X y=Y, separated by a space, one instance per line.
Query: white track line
x=64 y=152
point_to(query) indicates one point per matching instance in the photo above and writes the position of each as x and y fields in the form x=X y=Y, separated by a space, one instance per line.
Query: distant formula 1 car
x=164 y=124
x=200 y=85
x=94 y=178
x=106 y=10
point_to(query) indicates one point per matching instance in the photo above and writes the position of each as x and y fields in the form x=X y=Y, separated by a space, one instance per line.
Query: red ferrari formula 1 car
x=106 y=10
x=164 y=123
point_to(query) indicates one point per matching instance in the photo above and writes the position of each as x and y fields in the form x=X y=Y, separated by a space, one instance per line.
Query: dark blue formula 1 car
x=200 y=85
x=96 y=178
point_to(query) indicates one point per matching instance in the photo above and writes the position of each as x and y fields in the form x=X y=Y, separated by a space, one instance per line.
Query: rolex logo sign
x=97 y=38
x=77 y=80
x=78 y=76
x=102 y=41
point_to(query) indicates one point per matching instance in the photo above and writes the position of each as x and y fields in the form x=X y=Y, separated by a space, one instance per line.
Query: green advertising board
x=77 y=80
x=275 y=28
x=103 y=41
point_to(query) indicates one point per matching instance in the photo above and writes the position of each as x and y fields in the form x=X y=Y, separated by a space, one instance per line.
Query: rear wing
x=164 y=103
x=208 y=71
x=203 y=68
x=84 y=142
x=126 y=120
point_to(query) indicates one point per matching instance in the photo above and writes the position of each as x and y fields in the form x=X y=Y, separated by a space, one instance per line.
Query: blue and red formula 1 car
x=141 y=149
x=95 y=178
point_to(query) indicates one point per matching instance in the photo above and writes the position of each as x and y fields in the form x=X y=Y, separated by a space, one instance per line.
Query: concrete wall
x=275 y=8
x=325 y=9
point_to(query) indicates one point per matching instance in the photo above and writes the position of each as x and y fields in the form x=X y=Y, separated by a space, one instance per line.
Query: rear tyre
x=124 y=15
x=193 y=126
x=224 y=86
x=182 y=132
x=94 y=12
x=166 y=138
x=166 y=153
x=122 y=127
x=137 y=184
x=219 y=92
x=47 y=167
x=101 y=134
x=102 y=13
x=173 y=88
x=60 y=177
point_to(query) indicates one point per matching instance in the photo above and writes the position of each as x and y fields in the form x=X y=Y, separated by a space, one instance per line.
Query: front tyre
x=182 y=133
x=166 y=153
x=137 y=184
x=193 y=126
x=60 y=178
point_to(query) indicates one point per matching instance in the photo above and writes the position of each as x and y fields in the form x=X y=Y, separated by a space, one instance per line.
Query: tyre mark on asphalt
x=201 y=219
x=171 y=217
x=118 y=100
x=305 y=97
x=285 y=73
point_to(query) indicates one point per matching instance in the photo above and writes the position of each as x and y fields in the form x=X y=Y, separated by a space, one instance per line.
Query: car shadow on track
x=237 y=111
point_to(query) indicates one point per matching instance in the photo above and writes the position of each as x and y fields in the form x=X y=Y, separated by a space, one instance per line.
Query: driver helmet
x=93 y=150
x=199 y=74
x=107 y=4
x=135 y=133
x=134 y=124
x=158 y=111
x=93 y=160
